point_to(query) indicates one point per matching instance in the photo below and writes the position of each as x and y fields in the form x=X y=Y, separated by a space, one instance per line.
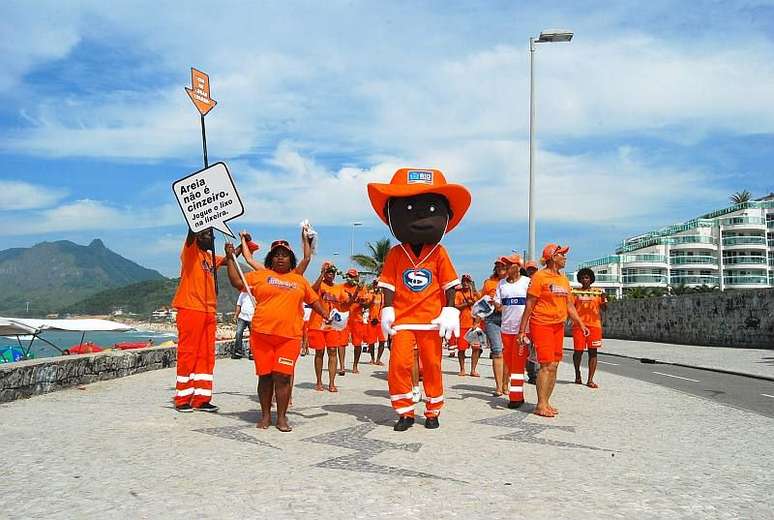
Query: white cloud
x=20 y=195
x=89 y=214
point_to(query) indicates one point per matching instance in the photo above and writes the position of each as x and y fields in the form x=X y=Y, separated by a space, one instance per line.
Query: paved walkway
x=758 y=362
x=116 y=449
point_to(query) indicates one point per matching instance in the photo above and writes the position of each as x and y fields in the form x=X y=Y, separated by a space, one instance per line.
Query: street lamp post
x=352 y=242
x=549 y=36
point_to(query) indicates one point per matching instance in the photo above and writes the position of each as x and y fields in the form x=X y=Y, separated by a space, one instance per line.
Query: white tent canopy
x=20 y=326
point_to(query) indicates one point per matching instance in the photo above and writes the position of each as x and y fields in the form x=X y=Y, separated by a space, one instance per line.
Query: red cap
x=280 y=243
x=511 y=260
x=531 y=263
x=352 y=272
x=554 y=249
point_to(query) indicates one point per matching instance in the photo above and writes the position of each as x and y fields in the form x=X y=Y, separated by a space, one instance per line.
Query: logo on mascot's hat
x=420 y=177
x=417 y=280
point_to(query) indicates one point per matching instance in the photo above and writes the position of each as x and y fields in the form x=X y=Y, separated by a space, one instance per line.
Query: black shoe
x=206 y=407
x=404 y=423
x=431 y=423
x=515 y=404
x=184 y=408
x=236 y=355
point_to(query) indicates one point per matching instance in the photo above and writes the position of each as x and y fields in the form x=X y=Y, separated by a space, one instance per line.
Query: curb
x=697 y=367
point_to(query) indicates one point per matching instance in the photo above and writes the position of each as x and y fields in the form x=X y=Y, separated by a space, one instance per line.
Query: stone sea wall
x=740 y=318
x=39 y=376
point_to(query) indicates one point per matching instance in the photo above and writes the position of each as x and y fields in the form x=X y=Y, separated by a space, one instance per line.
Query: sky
x=654 y=113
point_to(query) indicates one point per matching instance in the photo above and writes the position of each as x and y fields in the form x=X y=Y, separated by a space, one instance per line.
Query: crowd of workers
x=519 y=315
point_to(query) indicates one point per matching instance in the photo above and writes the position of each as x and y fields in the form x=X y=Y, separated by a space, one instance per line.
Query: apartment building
x=730 y=248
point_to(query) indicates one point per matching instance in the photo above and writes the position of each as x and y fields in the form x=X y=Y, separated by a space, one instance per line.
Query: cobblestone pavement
x=754 y=361
x=116 y=449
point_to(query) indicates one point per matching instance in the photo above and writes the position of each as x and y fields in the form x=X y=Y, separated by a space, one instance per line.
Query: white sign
x=209 y=199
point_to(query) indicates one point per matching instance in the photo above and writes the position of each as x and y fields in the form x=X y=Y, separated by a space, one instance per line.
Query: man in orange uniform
x=321 y=336
x=355 y=325
x=418 y=280
x=548 y=305
x=464 y=299
x=589 y=304
x=196 y=302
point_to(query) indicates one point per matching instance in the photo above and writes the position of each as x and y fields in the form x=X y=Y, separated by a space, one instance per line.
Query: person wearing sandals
x=589 y=304
x=492 y=330
x=548 y=305
x=275 y=332
x=464 y=299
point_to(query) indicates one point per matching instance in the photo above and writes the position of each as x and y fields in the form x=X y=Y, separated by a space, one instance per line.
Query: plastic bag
x=339 y=319
x=483 y=307
x=310 y=233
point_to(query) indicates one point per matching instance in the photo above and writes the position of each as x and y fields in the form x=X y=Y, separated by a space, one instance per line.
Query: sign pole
x=204 y=144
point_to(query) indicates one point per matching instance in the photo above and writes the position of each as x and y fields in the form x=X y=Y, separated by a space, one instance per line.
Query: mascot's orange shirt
x=552 y=291
x=419 y=291
x=331 y=297
x=196 y=290
x=279 y=302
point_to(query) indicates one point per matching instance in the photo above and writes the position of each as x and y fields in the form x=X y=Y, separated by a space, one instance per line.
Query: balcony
x=694 y=242
x=644 y=279
x=704 y=261
x=695 y=280
x=606 y=278
x=645 y=260
x=745 y=242
x=770 y=224
x=744 y=261
x=743 y=223
x=750 y=280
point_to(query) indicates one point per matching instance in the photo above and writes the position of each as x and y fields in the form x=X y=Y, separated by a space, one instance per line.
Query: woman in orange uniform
x=548 y=305
x=589 y=303
x=321 y=336
x=375 y=334
x=275 y=332
x=464 y=299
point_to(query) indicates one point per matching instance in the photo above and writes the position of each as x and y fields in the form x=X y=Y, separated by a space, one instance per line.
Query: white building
x=731 y=248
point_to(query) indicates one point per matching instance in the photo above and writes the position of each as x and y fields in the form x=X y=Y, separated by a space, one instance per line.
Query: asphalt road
x=747 y=393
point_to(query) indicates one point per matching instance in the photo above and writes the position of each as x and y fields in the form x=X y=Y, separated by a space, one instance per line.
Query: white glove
x=448 y=322
x=388 y=318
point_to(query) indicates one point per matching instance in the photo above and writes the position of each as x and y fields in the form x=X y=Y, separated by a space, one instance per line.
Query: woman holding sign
x=276 y=329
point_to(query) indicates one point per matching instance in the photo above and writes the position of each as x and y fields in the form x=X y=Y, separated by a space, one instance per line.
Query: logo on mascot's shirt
x=420 y=177
x=417 y=280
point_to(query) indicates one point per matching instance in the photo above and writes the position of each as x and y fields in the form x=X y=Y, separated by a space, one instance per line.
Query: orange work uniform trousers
x=428 y=343
x=195 y=357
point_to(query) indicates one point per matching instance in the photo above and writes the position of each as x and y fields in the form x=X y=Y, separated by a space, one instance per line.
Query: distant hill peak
x=97 y=244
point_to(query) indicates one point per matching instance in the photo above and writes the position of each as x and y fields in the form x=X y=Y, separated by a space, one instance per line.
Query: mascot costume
x=418 y=281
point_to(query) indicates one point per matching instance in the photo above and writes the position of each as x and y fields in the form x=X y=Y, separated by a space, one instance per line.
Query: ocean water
x=65 y=340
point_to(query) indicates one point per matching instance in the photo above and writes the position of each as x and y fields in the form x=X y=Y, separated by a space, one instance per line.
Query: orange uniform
x=588 y=304
x=419 y=298
x=466 y=316
x=320 y=335
x=195 y=301
x=549 y=314
x=375 y=333
x=490 y=286
x=355 y=325
x=277 y=326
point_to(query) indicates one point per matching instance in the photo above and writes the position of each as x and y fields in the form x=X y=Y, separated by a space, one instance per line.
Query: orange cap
x=553 y=249
x=352 y=272
x=531 y=263
x=413 y=181
x=511 y=259
x=281 y=243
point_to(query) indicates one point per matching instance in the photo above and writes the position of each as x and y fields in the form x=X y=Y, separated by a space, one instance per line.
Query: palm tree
x=740 y=197
x=373 y=263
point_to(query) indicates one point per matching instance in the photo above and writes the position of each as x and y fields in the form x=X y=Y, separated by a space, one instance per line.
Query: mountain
x=53 y=275
x=145 y=297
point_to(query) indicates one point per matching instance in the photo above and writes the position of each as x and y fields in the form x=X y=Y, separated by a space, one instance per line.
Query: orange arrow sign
x=200 y=93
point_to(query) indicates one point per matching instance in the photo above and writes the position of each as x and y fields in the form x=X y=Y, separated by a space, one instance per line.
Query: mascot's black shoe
x=404 y=423
x=431 y=423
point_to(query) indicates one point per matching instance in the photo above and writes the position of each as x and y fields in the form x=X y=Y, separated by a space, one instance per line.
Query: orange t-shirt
x=196 y=290
x=490 y=286
x=419 y=291
x=466 y=316
x=552 y=291
x=588 y=303
x=355 y=310
x=331 y=297
x=279 y=302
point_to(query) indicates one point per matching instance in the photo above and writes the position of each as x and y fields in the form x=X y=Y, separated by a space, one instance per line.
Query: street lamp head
x=357 y=223
x=554 y=35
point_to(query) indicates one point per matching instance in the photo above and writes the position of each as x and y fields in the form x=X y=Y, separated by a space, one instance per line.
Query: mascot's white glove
x=388 y=318
x=448 y=322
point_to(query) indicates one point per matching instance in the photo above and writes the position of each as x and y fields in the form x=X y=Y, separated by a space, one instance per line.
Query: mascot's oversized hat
x=415 y=181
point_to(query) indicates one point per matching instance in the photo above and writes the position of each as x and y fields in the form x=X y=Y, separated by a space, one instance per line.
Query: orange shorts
x=548 y=340
x=322 y=339
x=581 y=342
x=461 y=342
x=374 y=333
x=274 y=353
x=358 y=330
